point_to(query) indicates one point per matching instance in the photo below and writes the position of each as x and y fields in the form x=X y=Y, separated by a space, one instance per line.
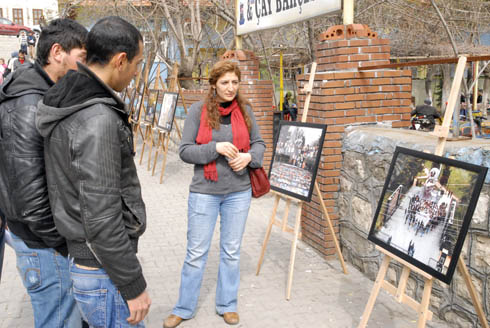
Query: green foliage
x=406 y=168
x=461 y=183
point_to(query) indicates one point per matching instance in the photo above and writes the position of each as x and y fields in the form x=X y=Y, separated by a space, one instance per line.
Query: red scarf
x=241 y=137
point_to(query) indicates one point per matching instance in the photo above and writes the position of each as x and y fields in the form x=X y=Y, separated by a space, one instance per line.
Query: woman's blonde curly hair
x=219 y=69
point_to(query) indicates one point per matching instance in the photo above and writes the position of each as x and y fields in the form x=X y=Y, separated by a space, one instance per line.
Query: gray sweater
x=199 y=155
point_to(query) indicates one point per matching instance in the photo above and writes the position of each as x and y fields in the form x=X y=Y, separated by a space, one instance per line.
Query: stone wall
x=367 y=154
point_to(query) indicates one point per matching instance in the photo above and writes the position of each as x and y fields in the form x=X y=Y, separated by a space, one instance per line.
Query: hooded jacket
x=23 y=188
x=93 y=186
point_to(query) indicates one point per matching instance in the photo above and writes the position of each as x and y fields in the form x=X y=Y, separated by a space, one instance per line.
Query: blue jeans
x=99 y=301
x=203 y=210
x=45 y=275
x=2 y=242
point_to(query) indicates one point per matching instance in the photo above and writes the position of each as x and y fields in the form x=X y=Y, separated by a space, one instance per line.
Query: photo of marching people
x=425 y=210
x=295 y=160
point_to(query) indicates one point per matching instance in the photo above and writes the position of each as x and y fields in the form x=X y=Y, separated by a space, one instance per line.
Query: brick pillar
x=258 y=92
x=343 y=96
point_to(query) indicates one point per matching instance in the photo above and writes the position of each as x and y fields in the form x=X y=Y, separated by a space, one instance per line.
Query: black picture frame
x=165 y=118
x=135 y=102
x=151 y=105
x=295 y=158
x=425 y=210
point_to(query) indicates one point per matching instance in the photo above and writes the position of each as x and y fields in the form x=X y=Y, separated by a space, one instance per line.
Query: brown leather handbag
x=259 y=181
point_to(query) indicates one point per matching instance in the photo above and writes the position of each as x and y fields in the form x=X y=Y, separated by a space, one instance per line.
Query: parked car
x=7 y=27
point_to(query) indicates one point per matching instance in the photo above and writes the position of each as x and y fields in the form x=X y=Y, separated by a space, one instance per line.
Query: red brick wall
x=260 y=95
x=192 y=96
x=342 y=96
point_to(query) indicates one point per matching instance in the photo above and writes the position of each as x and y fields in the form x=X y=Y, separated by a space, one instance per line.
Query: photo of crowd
x=425 y=209
x=296 y=156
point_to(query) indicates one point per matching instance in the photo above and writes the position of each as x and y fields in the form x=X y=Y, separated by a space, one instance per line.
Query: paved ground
x=322 y=296
x=8 y=44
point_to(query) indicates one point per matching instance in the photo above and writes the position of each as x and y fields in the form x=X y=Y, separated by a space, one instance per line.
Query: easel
x=137 y=124
x=422 y=308
x=164 y=136
x=296 y=231
x=149 y=127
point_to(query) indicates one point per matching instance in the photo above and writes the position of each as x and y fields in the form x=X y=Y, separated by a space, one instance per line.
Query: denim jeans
x=98 y=299
x=203 y=210
x=2 y=242
x=45 y=275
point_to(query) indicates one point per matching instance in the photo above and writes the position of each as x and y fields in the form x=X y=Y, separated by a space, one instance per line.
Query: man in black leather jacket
x=430 y=112
x=41 y=251
x=93 y=185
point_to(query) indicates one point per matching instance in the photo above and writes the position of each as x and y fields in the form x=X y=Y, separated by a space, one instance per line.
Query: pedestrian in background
x=10 y=63
x=23 y=41
x=222 y=139
x=40 y=250
x=93 y=185
x=20 y=60
x=3 y=68
x=31 y=42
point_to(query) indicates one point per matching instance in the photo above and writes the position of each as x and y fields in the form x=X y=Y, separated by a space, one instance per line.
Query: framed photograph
x=425 y=210
x=151 y=106
x=295 y=159
x=135 y=103
x=167 y=113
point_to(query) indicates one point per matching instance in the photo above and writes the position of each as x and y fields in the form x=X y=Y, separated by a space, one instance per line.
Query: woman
x=221 y=139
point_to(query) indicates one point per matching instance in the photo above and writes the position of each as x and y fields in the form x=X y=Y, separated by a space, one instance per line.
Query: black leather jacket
x=23 y=189
x=93 y=186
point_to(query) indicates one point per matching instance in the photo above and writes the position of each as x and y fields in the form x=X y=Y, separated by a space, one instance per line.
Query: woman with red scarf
x=221 y=139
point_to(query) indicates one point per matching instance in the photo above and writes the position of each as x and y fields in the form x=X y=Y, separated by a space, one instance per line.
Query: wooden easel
x=149 y=138
x=137 y=124
x=162 y=145
x=296 y=230
x=422 y=308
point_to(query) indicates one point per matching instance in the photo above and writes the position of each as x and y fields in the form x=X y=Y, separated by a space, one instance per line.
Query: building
x=29 y=12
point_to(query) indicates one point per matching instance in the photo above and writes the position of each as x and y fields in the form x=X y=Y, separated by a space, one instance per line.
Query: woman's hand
x=240 y=161
x=227 y=149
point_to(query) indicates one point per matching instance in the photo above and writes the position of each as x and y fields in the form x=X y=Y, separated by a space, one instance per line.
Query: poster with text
x=256 y=15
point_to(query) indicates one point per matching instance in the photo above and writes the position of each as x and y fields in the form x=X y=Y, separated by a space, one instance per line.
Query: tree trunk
x=485 y=96
x=428 y=82
x=185 y=71
x=446 y=85
x=311 y=40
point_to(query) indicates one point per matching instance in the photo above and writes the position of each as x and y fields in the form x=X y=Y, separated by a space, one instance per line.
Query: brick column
x=343 y=96
x=258 y=92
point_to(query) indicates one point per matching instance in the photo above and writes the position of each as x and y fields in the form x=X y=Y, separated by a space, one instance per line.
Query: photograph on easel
x=425 y=210
x=151 y=106
x=135 y=103
x=167 y=113
x=295 y=159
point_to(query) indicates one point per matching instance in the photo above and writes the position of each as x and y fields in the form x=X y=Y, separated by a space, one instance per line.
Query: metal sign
x=256 y=15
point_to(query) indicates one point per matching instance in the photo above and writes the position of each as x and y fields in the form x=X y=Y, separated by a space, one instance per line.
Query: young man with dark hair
x=41 y=251
x=92 y=180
